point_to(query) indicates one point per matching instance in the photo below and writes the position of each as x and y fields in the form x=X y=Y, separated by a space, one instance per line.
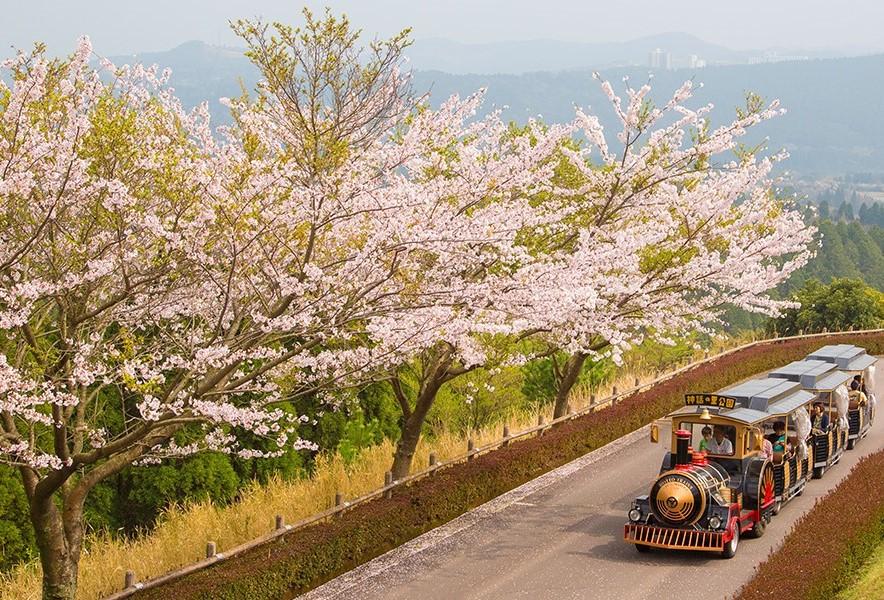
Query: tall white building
x=658 y=59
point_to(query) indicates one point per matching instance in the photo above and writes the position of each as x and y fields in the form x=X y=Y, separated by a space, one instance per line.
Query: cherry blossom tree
x=666 y=231
x=454 y=195
x=197 y=280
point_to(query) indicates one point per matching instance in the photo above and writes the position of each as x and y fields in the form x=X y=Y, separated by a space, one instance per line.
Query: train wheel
x=642 y=548
x=776 y=507
x=758 y=529
x=851 y=444
x=731 y=549
x=818 y=472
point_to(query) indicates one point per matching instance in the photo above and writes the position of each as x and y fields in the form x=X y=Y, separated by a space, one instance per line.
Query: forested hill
x=833 y=123
x=849 y=249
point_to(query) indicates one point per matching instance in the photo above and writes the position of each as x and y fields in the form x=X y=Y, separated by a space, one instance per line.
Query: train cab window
x=753 y=441
x=720 y=443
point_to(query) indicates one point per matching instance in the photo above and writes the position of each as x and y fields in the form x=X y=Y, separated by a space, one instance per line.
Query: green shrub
x=16 y=535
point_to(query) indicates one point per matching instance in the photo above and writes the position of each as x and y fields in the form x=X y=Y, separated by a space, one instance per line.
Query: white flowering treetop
x=667 y=231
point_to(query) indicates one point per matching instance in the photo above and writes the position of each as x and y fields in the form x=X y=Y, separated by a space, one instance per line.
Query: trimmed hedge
x=828 y=546
x=309 y=557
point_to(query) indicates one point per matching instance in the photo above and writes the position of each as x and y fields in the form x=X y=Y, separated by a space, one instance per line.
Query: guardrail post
x=636 y=382
x=569 y=410
x=388 y=480
x=613 y=395
x=280 y=522
x=339 y=498
x=470 y=447
x=506 y=435
x=540 y=422
x=129 y=581
x=592 y=403
x=210 y=549
x=706 y=353
x=432 y=459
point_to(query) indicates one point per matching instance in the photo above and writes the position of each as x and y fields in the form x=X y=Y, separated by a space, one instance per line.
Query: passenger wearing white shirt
x=719 y=443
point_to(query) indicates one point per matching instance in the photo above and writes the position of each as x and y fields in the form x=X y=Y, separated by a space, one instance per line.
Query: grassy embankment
x=871 y=583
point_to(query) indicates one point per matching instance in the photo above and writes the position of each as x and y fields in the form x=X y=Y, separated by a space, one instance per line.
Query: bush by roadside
x=830 y=545
x=307 y=558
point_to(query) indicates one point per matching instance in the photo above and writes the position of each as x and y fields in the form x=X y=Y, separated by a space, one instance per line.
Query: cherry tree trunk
x=565 y=381
x=59 y=537
x=412 y=427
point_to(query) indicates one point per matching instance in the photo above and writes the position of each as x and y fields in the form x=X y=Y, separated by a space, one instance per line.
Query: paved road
x=560 y=536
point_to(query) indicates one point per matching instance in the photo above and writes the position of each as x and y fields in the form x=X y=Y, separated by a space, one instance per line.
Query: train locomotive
x=737 y=455
x=707 y=499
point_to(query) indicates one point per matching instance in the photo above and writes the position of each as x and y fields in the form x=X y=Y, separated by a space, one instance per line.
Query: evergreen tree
x=843 y=304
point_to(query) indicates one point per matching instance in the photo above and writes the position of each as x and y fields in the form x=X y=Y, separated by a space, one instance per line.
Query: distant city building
x=658 y=59
x=773 y=57
x=696 y=62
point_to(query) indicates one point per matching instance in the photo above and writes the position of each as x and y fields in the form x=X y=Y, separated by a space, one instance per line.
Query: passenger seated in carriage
x=707 y=437
x=857 y=394
x=819 y=419
x=779 y=438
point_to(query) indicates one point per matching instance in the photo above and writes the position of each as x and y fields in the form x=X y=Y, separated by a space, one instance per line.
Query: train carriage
x=824 y=380
x=706 y=499
x=854 y=361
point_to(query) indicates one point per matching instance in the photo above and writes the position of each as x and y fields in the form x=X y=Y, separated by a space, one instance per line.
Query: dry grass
x=180 y=537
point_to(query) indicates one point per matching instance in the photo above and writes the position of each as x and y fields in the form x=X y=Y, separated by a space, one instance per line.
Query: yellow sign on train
x=709 y=400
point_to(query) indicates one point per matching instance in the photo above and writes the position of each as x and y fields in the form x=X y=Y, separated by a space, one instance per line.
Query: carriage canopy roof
x=846 y=356
x=757 y=400
x=816 y=375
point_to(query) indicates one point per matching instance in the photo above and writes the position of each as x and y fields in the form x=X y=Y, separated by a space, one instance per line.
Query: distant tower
x=667 y=61
x=656 y=59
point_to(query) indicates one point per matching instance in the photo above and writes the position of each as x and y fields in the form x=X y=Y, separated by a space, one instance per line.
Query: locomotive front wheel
x=818 y=472
x=731 y=549
x=642 y=548
x=776 y=507
x=758 y=529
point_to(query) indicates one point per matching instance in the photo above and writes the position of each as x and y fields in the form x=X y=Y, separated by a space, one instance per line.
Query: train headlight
x=714 y=521
x=635 y=514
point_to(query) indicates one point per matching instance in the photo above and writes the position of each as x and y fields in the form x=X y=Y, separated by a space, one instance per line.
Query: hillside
x=833 y=123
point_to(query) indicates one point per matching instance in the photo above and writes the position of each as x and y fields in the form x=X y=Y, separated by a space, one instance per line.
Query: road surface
x=560 y=536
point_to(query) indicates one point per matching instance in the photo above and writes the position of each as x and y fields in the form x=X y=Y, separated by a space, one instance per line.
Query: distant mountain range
x=548 y=55
x=834 y=123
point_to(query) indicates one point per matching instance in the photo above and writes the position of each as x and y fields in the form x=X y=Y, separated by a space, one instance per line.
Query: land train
x=738 y=454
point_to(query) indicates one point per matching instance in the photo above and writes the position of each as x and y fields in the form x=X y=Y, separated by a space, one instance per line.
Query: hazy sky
x=126 y=26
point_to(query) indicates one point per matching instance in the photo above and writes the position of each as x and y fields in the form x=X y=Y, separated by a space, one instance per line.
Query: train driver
x=719 y=443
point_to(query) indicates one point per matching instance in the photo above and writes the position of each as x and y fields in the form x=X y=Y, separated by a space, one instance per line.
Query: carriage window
x=751 y=440
x=719 y=440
